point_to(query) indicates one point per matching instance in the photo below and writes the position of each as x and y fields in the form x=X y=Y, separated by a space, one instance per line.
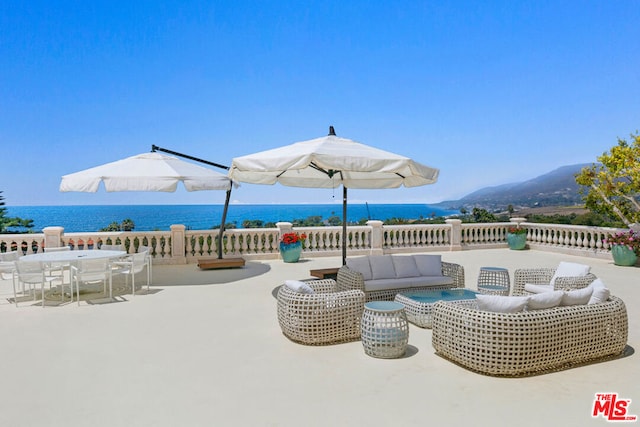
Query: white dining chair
x=135 y=263
x=8 y=264
x=90 y=271
x=31 y=273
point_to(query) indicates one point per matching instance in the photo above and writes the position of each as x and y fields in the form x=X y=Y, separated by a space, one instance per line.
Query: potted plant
x=517 y=237
x=291 y=246
x=625 y=247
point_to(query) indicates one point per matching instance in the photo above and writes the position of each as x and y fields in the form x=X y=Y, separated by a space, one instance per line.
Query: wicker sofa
x=531 y=341
x=381 y=277
x=326 y=316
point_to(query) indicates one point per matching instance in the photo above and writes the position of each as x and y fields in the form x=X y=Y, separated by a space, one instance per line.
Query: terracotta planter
x=290 y=252
x=517 y=241
x=623 y=256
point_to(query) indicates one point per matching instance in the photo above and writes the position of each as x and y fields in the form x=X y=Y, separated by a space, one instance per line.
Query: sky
x=489 y=92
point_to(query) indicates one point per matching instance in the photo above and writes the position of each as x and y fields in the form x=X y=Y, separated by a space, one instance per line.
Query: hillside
x=556 y=188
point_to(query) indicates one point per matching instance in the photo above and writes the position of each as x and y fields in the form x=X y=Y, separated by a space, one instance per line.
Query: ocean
x=203 y=217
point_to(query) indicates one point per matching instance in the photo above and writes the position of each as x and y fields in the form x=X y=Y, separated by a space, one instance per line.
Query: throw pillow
x=298 y=286
x=429 y=265
x=405 y=266
x=361 y=265
x=577 y=297
x=537 y=289
x=545 y=300
x=382 y=267
x=570 y=269
x=600 y=292
x=501 y=304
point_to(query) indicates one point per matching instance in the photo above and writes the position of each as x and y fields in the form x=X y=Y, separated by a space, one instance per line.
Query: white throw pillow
x=361 y=265
x=545 y=300
x=577 y=297
x=405 y=266
x=600 y=292
x=382 y=267
x=538 y=289
x=298 y=286
x=429 y=265
x=501 y=304
x=570 y=269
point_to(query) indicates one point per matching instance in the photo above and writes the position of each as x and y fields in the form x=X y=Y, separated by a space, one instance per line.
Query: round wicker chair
x=324 y=317
x=543 y=276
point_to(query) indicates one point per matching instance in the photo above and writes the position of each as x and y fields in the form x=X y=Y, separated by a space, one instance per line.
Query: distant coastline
x=83 y=218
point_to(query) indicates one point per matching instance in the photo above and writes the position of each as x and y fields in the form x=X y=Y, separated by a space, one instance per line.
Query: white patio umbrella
x=150 y=172
x=329 y=162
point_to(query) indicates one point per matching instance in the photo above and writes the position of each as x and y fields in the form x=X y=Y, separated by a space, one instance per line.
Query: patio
x=205 y=348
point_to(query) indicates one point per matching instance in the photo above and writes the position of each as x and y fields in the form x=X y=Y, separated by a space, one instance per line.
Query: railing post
x=518 y=221
x=284 y=227
x=456 y=234
x=376 y=236
x=53 y=236
x=177 y=244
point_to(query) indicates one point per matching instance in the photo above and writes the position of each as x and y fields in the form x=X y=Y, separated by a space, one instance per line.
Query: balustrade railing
x=186 y=246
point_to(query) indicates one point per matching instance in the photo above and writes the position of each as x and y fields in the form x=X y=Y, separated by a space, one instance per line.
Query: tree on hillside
x=613 y=186
x=7 y=222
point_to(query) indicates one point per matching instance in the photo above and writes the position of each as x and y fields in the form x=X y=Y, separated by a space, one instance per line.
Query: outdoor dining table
x=72 y=257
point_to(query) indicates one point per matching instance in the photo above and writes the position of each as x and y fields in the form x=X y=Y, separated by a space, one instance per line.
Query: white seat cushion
x=501 y=304
x=361 y=265
x=298 y=286
x=429 y=265
x=405 y=266
x=577 y=297
x=382 y=267
x=570 y=269
x=600 y=292
x=537 y=289
x=545 y=300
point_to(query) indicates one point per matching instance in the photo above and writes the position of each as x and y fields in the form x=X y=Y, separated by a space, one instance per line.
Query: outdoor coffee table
x=418 y=305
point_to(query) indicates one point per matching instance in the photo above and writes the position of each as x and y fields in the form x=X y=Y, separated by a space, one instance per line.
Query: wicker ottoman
x=494 y=281
x=385 y=331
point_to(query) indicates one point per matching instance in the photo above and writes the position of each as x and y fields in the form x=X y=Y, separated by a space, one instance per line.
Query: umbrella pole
x=344 y=225
x=224 y=220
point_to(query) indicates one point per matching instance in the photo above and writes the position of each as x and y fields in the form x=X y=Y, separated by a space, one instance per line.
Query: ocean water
x=203 y=217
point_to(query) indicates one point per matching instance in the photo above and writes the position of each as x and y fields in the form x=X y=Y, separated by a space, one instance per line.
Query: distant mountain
x=556 y=188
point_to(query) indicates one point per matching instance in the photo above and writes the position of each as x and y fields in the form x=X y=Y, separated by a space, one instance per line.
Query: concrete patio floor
x=204 y=348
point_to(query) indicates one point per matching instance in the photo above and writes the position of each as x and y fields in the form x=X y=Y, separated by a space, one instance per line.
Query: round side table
x=385 y=330
x=494 y=281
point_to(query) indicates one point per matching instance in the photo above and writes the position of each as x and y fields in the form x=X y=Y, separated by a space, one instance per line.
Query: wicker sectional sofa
x=381 y=277
x=531 y=341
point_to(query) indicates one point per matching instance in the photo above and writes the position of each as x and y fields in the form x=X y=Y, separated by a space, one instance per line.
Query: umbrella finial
x=332 y=131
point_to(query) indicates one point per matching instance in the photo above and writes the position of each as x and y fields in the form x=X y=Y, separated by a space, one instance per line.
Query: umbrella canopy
x=329 y=162
x=150 y=172
x=146 y=172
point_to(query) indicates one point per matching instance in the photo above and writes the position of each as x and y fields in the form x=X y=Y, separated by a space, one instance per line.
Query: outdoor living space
x=203 y=347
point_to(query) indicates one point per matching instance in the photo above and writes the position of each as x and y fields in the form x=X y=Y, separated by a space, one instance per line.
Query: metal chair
x=31 y=273
x=135 y=264
x=92 y=271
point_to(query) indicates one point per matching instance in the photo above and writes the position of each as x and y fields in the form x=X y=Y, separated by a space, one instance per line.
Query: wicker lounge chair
x=324 y=317
x=543 y=276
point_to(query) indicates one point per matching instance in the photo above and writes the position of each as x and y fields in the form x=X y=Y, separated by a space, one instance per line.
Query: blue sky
x=489 y=92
